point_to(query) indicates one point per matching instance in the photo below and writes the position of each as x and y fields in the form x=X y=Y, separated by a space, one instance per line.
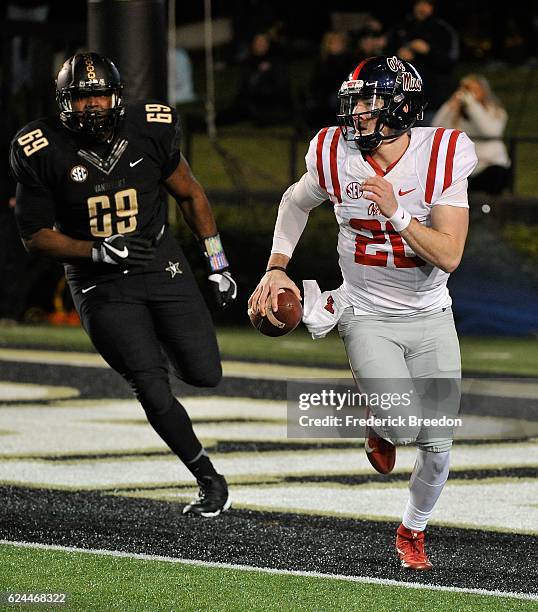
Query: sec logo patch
x=78 y=174
x=354 y=190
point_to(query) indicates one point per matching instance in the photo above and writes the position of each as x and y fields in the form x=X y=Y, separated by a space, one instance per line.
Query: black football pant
x=139 y=320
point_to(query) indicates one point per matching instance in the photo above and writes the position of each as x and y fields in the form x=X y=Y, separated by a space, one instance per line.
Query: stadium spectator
x=332 y=66
x=181 y=76
x=400 y=236
x=264 y=93
x=475 y=109
x=432 y=45
x=371 y=40
x=90 y=187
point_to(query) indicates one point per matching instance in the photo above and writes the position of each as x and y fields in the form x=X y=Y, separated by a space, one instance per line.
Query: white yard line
x=233 y=369
x=267 y=570
x=490 y=386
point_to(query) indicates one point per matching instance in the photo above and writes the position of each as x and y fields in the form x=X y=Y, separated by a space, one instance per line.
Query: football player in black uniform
x=89 y=194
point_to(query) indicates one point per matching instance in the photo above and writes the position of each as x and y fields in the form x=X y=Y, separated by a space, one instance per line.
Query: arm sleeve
x=295 y=206
x=166 y=135
x=35 y=208
x=465 y=159
x=456 y=160
x=455 y=195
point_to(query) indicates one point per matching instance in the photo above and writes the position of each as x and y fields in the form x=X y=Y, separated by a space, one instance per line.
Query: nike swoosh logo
x=133 y=164
x=402 y=193
x=123 y=253
x=86 y=289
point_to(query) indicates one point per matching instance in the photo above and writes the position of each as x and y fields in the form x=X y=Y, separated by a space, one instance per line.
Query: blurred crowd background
x=276 y=68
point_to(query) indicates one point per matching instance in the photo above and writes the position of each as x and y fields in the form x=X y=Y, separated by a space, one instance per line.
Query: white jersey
x=381 y=272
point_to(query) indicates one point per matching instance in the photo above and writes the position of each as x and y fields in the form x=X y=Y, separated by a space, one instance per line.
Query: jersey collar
x=378 y=169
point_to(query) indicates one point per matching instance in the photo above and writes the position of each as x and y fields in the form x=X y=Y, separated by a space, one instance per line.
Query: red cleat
x=410 y=549
x=380 y=452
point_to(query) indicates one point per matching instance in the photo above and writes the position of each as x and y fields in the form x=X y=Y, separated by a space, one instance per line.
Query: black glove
x=123 y=249
x=224 y=286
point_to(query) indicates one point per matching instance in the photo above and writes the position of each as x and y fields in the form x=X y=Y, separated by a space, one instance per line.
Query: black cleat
x=212 y=499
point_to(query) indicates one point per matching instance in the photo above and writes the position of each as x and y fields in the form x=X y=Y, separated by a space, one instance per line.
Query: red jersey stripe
x=376 y=167
x=449 y=163
x=319 y=158
x=432 y=167
x=334 y=165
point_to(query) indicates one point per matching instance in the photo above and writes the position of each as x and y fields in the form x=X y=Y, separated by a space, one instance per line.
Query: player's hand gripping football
x=123 y=249
x=224 y=287
x=269 y=285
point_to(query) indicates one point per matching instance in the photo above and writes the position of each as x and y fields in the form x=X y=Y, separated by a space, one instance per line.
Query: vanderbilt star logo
x=174 y=269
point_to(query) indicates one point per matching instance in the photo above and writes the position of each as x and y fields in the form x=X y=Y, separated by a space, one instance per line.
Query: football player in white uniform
x=399 y=196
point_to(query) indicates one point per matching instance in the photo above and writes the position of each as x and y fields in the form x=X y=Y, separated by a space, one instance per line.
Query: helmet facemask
x=362 y=118
x=95 y=124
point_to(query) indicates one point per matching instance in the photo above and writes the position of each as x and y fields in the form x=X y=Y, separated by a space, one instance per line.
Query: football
x=284 y=320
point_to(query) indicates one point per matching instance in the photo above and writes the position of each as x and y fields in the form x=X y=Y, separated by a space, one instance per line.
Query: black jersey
x=92 y=191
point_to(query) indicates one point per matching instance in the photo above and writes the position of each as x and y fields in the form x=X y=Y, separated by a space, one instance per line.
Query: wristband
x=400 y=219
x=270 y=268
x=214 y=253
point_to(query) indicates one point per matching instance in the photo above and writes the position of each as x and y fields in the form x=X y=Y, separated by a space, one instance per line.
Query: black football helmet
x=386 y=88
x=83 y=75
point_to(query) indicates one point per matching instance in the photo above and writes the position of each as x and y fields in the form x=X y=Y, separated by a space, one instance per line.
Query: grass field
x=106 y=582
x=486 y=355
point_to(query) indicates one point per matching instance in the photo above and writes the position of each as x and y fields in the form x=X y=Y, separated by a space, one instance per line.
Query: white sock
x=427 y=481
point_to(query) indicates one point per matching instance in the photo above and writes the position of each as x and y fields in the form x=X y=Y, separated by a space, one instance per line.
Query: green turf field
x=515 y=356
x=102 y=582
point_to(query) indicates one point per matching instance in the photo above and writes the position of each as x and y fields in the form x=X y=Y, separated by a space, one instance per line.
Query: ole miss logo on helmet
x=410 y=82
x=354 y=190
